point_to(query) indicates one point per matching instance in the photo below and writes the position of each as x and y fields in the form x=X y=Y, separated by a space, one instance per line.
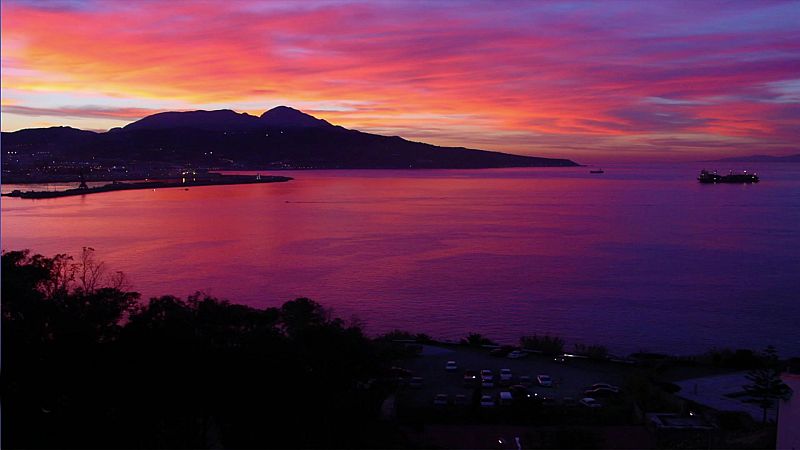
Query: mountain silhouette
x=284 y=116
x=227 y=120
x=219 y=120
x=282 y=137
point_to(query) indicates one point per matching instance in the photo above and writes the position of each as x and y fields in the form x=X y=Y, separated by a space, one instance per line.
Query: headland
x=184 y=182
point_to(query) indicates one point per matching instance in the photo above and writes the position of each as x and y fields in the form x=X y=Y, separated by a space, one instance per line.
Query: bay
x=641 y=257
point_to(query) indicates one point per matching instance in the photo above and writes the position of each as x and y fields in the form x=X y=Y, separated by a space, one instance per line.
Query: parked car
x=451 y=366
x=516 y=354
x=399 y=372
x=601 y=392
x=487 y=401
x=590 y=403
x=487 y=378
x=502 y=351
x=460 y=399
x=497 y=352
x=524 y=380
x=544 y=380
x=505 y=376
x=505 y=398
x=547 y=400
x=470 y=378
x=440 y=400
x=520 y=392
x=604 y=386
x=416 y=382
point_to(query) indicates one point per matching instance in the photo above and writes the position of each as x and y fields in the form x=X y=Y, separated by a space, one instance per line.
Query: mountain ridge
x=281 y=137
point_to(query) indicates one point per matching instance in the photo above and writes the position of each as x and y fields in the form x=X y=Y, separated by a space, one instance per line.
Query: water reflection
x=638 y=257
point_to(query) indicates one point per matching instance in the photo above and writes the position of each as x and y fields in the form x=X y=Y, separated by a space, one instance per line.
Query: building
x=789 y=415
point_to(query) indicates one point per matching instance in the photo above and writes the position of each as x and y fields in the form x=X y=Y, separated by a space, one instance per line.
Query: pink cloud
x=486 y=71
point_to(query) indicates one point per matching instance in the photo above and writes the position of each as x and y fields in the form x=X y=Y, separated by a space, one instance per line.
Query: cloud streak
x=90 y=112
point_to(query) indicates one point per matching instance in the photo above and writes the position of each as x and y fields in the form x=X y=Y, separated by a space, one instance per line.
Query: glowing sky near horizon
x=670 y=80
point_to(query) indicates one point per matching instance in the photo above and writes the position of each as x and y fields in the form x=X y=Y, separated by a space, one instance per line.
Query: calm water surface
x=641 y=257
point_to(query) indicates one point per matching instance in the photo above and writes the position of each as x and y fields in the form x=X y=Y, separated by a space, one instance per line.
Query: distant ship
x=596 y=171
x=714 y=177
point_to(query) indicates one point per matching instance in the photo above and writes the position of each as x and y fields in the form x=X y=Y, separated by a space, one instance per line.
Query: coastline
x=15 y=178
x=121 y=186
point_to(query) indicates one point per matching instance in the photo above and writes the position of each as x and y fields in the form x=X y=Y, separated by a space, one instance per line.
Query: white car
x=487 y=401
x=451 y=366
x=590 y=403
x=505 y=375
x=516 y=354
x=544 y=380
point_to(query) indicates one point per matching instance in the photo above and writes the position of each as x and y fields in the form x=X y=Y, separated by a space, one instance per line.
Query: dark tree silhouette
x=765 y=383
x=551 y=345
x=476 y=340
x=86 y=364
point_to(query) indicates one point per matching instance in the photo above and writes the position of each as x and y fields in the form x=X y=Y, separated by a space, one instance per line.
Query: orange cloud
x=511 y=77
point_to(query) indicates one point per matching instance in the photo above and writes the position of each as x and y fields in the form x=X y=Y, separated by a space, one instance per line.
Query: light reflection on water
x=641 y=257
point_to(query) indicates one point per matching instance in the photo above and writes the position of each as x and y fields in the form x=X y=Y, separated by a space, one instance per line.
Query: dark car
x=521 y=393
x=502 y=352
x=604 y=385
x=471 y=378
x=601 y=392
x=399 y=372
x=498 y=353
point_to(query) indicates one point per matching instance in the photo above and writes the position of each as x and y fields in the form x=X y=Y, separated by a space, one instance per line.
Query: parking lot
x=570 y=378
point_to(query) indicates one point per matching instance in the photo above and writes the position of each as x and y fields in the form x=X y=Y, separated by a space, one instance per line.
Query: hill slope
x=280 y=138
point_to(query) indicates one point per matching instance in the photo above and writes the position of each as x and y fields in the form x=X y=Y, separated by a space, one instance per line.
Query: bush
x=551 y=345
x=401 y=335
x=735 y=359
x=591 y=351
x=476 y=340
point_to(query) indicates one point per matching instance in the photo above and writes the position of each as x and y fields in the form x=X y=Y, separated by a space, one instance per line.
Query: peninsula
x=161 y=144
x=185 y=182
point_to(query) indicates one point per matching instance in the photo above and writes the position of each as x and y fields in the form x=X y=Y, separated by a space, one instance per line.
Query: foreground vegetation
x=86 y=364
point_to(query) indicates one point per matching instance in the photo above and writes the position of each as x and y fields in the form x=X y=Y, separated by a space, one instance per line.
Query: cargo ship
x=714 y=177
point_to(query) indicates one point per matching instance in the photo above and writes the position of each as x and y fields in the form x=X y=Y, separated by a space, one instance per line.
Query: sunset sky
x=634 y=80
